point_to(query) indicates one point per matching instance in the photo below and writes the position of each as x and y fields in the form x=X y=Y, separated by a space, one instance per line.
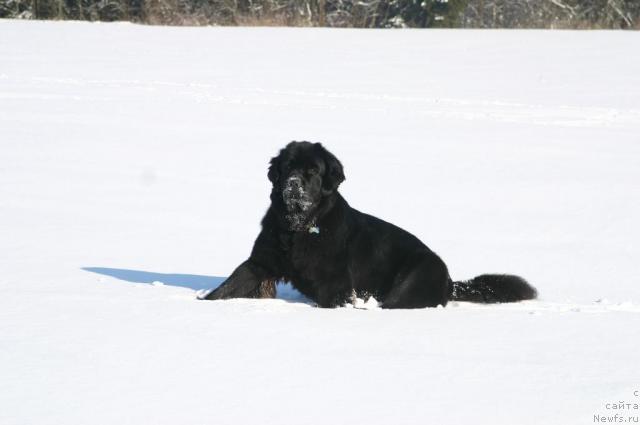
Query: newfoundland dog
x=333 y=253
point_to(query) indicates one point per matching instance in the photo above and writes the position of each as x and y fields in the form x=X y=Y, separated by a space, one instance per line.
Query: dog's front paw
x=209 y=294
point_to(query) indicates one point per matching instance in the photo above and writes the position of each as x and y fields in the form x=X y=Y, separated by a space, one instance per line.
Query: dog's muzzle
x=295 y=196
x=298 y=203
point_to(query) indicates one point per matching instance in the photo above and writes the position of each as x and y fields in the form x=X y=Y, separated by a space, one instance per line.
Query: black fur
x=331 y=252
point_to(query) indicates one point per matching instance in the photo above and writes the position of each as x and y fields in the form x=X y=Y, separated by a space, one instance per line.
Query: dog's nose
x=294 y=182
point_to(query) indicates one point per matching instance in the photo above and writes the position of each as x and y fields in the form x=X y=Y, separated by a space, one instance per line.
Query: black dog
x=331 y=252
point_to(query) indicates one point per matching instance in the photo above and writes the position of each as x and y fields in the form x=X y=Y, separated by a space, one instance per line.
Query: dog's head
x=303 y=175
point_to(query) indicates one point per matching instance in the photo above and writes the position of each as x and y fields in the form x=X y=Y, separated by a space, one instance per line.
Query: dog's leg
x=266 y=289
x=334 y=293
x=423 y=282
x=249 y=280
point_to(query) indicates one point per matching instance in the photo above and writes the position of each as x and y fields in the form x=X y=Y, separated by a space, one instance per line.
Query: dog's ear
x=334 y=173
x=274 y=169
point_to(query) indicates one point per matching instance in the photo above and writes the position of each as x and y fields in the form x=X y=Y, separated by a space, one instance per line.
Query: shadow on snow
x=191 y=281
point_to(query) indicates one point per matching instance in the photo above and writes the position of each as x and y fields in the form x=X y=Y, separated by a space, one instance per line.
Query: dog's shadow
x=192 y=281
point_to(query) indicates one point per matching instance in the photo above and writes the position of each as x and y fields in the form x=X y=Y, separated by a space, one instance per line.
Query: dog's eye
x=312 y=171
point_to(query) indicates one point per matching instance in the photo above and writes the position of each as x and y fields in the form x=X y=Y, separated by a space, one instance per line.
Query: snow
x=133 y=167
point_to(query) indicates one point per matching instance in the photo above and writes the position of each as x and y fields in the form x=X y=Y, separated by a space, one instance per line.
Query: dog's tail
x=493 y=288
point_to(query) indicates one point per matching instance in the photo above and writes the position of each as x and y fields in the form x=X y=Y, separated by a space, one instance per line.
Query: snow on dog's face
x=303 y=174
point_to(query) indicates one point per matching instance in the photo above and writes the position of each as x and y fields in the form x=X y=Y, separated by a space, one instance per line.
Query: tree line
x=341 y=13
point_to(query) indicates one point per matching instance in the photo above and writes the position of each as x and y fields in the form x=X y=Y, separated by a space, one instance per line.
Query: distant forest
x=611 y=14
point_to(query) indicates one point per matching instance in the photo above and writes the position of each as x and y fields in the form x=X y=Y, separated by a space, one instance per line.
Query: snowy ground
x=134 y=155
